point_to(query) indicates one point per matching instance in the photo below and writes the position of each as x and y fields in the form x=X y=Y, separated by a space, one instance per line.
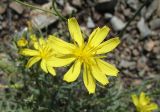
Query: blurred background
x=136 y=22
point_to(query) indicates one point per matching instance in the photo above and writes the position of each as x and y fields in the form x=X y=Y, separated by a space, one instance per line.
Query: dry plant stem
x=132 y=18
x=34 y=7
x=57 y=12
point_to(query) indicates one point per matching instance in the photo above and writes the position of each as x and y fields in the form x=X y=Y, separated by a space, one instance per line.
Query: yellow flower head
x=42 y=51
x=33 y=38
x=86 y=55
x=22 y=42
x=143 y=103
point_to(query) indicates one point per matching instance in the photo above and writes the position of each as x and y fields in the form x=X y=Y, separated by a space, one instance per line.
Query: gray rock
x=155 y=24
x=68 y=9
x=2 y=8
x=17 y=7
x=127 y=64
x=108 y=16
x=60 y=2
x=142 y=63
x=150 y=10
x=133 y=4
x=149 y=45
x=90 y=23
x=42 y=19
x=117 y=23
x=143 y=28
x=158 y=10
x=77 y=3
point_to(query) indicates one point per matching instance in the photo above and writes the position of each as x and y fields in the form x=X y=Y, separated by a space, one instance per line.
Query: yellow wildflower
x=33 y=38
x=86 y=55
x=42 y=51
x=22 y=42
x=143 y=103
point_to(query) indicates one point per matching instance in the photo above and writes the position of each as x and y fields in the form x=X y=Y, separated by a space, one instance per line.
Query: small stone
x=60 y=2
x=135 y=52
x=117 y=23
x=4 y=24
x=149 y=45
x=133 y=4
x=143 y=28
x=68 y=9
x=96 y=16
x=90 y=23
x=156 y=50
x=151 y=9
x=142 y=63
x=17 y=7
x=77 y=3
x=126 y=64
x=158 y=10
x=2 y=8
x=42 y=19
x=137 y=82
x=127 y=12
x=108 y=16
x=155 y=24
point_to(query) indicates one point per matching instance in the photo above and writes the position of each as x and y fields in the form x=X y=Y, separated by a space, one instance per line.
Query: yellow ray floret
x=86 y=55
x=143 y=103
x=42 y=51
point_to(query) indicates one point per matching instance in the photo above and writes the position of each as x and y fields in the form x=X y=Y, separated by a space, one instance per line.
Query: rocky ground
x=138 y=55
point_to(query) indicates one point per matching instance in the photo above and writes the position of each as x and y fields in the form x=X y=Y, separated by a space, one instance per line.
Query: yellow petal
x=60 y=45
x=32 y=61
x=73 y=72
x=108 y=46
x=107 y=68
x=93 y=34
x=143 y=99
x=99 y=76
x=42 y=41
x=36 y=45
x=29 y=52
x=152 y=106
x=44 y=65
x=99 y=36
x=58 y=62
x=75 y=31
x=88 y=80
x=51 y=70
x=33 y=38
x=135 y=99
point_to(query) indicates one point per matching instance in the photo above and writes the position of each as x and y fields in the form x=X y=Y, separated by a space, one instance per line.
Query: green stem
x=133 y=17
x=57 y=12
x=34 y=7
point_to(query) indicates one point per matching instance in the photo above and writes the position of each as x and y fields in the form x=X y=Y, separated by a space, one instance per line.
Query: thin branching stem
x=57 y=12
x=133 y=17
x=34 y=7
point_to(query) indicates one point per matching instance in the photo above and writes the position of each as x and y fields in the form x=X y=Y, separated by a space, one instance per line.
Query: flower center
x=45 y=52
x=83 y=54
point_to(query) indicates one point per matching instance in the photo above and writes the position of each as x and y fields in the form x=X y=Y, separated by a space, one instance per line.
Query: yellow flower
x=22 y=42
x=86 y=55
x=42 y=51
x=143 y=103
x=33 y=38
